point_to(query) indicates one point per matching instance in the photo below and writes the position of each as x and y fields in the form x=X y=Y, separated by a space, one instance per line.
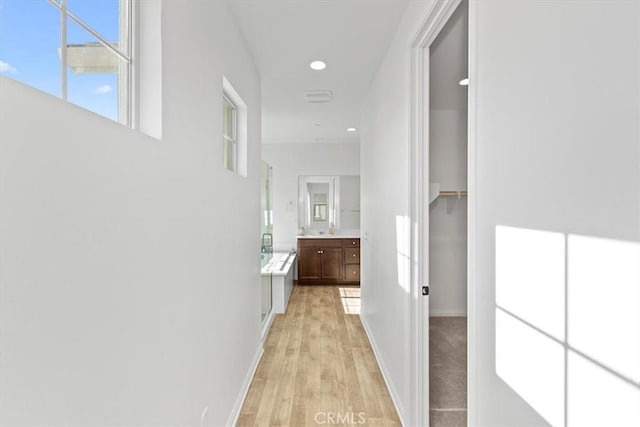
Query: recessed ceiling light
x=351 y=129
x=318 y=65
x=464 y=82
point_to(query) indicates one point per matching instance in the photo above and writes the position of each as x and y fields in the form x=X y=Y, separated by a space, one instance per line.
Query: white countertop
x=340 y=234
x=329 y=236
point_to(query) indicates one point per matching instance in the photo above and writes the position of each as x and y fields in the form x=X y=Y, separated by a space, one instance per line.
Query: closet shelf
x=458 y=194
x=434 y=192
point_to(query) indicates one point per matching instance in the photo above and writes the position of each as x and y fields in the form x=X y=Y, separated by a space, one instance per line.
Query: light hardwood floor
x=317 y=361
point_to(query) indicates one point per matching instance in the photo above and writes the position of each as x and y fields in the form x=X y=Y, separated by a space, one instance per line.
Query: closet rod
x=453 y=194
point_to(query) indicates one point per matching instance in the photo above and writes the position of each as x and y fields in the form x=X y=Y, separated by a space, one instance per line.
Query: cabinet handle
x=320 y=252
x=354 y=255
x=353 y=243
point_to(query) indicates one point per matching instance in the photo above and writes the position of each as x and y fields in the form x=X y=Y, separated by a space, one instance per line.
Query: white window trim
x=233 y=138
x=146 y=68
x=124 y=56
x=240 y=125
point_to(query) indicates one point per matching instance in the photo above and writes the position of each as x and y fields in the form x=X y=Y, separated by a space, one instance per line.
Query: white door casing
x=435 y=20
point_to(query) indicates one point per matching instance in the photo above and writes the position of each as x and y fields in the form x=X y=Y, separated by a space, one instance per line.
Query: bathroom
x=291 y=164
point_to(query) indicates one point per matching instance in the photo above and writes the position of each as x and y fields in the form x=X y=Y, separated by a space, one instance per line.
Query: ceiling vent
x=318 y=96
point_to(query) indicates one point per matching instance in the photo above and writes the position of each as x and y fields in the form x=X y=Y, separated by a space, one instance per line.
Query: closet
x=448 y=223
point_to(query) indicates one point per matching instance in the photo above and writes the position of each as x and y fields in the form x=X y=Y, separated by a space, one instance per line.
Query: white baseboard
x=237 y=407
x=447 y=313
x=395 y=398
x=267 y=325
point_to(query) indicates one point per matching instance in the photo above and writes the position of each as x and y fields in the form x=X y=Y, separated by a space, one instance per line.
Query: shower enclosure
x=266 y=239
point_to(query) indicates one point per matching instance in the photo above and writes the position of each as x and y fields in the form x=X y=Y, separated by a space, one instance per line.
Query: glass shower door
x=266 y=239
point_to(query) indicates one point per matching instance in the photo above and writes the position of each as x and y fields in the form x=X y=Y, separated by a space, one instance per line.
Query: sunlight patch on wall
x=597 y=398
x=604 y=302
x=591 y=376
x=530 y=276
x=532 y=364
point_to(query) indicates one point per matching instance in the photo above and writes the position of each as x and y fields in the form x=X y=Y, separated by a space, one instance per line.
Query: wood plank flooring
x=317 y=364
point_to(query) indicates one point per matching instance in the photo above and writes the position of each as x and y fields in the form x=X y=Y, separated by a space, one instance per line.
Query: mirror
x=316 y=202
x=318 y=193
x=328 y=202
x=319 y=212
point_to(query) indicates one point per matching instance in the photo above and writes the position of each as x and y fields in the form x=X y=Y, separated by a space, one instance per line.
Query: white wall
x=557 y=160
x=130 y=282
x=385 y=209
x=350 y=202
x=448 y=167
x=292 y=160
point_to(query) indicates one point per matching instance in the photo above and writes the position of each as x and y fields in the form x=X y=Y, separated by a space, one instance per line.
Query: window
x=77 y=50
x=234 y=130
x=229 y=134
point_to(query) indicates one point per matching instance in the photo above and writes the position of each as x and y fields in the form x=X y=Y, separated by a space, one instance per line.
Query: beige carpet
x=448 y=371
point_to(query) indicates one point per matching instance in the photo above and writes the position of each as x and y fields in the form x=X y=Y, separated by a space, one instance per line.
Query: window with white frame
x=229 y=134
x=77 y=50
x=234 y=130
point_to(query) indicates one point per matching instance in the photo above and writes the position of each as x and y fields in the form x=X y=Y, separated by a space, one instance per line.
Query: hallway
x=318 y=364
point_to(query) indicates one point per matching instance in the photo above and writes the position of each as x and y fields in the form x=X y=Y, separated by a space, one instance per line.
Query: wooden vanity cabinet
x=319 y=263
x=319 y=259
x=328 y=261
x=351 y=250
x=309 y=263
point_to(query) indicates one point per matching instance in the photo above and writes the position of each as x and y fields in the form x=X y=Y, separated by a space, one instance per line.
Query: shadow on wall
x=568 y=325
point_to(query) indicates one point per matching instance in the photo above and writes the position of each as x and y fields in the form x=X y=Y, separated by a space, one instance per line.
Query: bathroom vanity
x=329 y=219
x=328 y=260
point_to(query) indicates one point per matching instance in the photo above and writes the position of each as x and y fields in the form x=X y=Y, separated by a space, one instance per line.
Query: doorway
x=449 y=211
x=447 y=157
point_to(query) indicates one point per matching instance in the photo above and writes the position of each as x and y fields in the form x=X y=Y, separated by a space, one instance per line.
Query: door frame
x=436 y=18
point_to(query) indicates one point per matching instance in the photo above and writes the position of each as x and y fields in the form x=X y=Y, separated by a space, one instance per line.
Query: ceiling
x=448 y=63
x=284 y=36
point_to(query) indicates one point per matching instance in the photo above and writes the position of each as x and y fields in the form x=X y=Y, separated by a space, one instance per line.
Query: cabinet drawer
x=352 y=273
x=351 y=243
x=320 y=243
x=352 y=255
